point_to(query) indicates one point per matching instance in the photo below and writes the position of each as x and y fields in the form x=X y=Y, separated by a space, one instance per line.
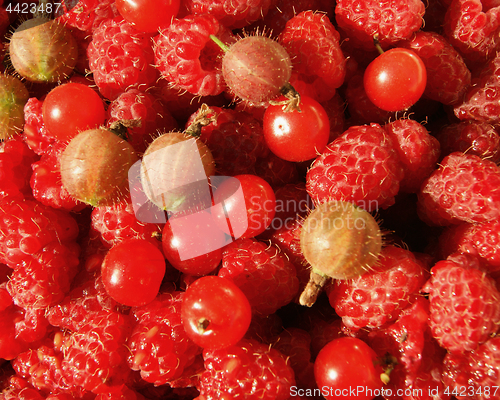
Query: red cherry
x=244 y=206
x=395 y=80
x=297 y=136
x=148 y=15
x=72 y=108
x=132 y=272
x=346 y=364
x=215 y=313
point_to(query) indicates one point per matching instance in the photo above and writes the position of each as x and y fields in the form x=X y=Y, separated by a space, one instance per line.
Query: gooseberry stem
x=219 y=43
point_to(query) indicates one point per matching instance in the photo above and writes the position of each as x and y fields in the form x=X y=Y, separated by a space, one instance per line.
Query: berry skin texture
x=148 y=15
x=13 y=97
x=448 y=77
x=395 y=80
x=113 y=68
x=378 y=297
x=313 y=44
x=132 y=272
x=391 y=21
x=463 y=188
x=246 y=370
x=464 y=304
x=256 y=68
x=215 y=313
x=360 y=166
x=186 y=57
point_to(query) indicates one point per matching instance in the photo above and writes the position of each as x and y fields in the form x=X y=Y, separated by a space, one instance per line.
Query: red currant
x=215 y=312
x=297 y=136
x=132 y=272
x=244 y=206
x=395 y=80
x=346 y=364
x=63 y=113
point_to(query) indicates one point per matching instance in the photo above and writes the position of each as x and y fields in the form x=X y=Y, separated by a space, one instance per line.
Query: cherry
x=244 y=206
x=395 y=80
x=63 y=113
x=348 y=368
x=148 y=15
x=193 y=243
x=297 y=135
x=215 y=313
x=132 y=272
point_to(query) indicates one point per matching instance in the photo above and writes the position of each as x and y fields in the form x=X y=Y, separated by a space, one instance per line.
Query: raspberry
x=232 y=14
x=27 y=226
x=448 y=77
x=45 y=280
x=471 y=137
x=378 y=297
x=187 y=57
x=477 y=370
x=481 y=102
x=87 y=15
x=26 y=393
x=15 y=169
x=276 y=171
x=159 y=347
x=247 y=369
x=391 y=21
x=313 y=43
x=360 y=166
x=149 y=110
x=473 y=29
x=417 y=149
x=35 y=134
x=262 y=272
x=464 y=303
x=117 y=223
x=120 y=58
x=481 y=240
x=463 y=188
x=236 y=141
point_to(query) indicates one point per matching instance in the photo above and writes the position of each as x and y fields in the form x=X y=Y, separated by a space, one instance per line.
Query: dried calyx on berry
x=341 y=241
x=257 y=69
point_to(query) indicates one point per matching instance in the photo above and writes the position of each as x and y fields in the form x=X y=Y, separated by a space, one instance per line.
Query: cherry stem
x=312 y=289
x=377 y=45
x=292 y=102
x=219 y=43
x=203 y=118
x=120 y=128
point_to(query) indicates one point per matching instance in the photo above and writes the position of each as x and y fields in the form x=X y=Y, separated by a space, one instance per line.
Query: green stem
x=219 y=43
x=377 y=45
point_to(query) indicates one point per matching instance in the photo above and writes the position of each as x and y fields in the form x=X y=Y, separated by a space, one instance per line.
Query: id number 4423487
x=462 y=391
x=31 y=8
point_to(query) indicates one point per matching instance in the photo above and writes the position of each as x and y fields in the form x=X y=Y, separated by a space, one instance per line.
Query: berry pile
x=234 y=199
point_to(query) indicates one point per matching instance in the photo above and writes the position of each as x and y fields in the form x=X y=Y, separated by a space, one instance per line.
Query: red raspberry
x=232 y=14
x=262 y=272
x=15 y=169
x=378 y=297
x=473 y=29
x=361 y=166
x=46 y=183
x=417 y=149
x=117 y=223
x=360 y=107
x=391 y=21
x=472 y=137
x=87 y=15
x=45 y=280
x=465 y=304
x=120 y=58
x=477 y=371
x=35 y=134
x=158 y=345
x=447 y=75
x=481 y=240
x=149 y=110
x=26 y=393
x=236 y=141
x=463 y=188
x=482 y=101
x=276 y=171
x=187 y=57
x=247 y=370
x=26 y=227
x=313 y=44
x=335 y=108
